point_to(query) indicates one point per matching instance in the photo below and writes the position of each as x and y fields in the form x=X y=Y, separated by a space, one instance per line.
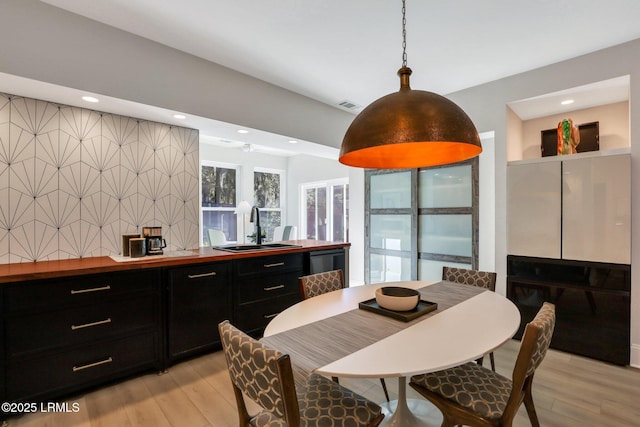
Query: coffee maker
x=153 y=239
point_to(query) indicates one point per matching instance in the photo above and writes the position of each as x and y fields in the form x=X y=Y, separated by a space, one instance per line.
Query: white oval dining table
x=459 y=334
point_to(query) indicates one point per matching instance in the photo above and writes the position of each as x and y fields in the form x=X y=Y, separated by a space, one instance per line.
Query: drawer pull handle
x=88 y=325
x=92 y=365
x=270 y=316
x=273 y=288
x=275 y=264
x=197 y=276
x=84 y=291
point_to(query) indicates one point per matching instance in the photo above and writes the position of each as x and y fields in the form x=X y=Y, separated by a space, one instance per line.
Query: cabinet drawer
x=80 y=290
x=38 y=332
x=269 y=264
x=31 y=379
x=207 y=274
x=253 y=318
x=270 y=286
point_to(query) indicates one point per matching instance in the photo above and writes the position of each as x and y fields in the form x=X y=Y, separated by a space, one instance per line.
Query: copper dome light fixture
x=409 y=128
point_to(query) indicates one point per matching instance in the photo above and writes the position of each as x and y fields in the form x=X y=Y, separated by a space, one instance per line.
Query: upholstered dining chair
x=265 y=375
x=473 y=395
x=481 y=279
x=321 y=283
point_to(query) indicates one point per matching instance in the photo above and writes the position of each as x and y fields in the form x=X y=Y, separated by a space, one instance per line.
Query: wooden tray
x=422 y=308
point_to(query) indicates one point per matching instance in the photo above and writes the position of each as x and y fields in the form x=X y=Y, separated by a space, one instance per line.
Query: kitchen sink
x=262 y=247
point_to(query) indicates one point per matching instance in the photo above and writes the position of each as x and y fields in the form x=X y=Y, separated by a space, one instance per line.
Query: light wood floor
x=568 y=391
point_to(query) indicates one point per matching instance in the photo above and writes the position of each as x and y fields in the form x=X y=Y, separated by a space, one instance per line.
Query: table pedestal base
x=409 y=412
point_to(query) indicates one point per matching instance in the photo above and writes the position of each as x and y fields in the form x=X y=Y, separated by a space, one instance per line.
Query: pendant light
x=409 y=128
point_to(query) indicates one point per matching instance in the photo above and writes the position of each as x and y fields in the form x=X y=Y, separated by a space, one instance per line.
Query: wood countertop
x=18 y=272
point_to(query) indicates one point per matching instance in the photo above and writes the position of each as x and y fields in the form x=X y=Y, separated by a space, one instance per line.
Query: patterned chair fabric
x=265 y=375
x=471 y=386
x=252 y=366
x=321 y=283
x=482 y=279
x=488 y=395
x=545 y=321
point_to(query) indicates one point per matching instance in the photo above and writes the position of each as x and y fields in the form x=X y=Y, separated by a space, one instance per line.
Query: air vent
x=349 y=105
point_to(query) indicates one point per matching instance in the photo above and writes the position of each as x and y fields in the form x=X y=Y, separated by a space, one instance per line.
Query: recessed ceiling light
x=293 y=141
x=90 y=99
x=179 y=116
x=243 y=131
x=567 y=102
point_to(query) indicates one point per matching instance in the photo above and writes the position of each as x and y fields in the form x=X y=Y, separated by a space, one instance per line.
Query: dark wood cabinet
x=593 y=303
x=199 y=297
x=65 y=334
x=263 y=287
x=63 y=331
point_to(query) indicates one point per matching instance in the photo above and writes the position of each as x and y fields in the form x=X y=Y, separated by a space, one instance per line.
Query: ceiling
x=337 y=50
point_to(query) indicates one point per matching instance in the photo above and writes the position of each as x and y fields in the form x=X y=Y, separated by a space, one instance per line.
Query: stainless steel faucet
x=255 y=217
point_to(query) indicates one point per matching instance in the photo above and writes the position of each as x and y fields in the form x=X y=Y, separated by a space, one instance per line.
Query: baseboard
x=635 y=356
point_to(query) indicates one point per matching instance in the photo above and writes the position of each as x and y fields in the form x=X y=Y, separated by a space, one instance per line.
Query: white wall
x=45 y=43
x=487 y=204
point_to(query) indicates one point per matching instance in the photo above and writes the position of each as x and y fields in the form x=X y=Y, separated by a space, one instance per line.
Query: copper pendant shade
x=409 y=129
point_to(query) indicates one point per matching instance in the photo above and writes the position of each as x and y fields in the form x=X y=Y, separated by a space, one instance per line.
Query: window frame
x=202 y=209
x=283 y=176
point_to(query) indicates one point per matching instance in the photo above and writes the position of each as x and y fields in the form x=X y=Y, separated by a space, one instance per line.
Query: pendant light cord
x=404 y=34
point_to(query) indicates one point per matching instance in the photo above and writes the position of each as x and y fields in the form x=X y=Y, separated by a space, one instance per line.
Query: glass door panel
x=446 y=234
x=339 y=214
x=391 y=191
x=391 y=232
x=432 y=270
x=389 y=268
x=447 y=187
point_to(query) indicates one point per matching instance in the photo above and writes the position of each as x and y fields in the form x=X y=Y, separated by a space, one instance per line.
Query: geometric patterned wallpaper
x=73 y=180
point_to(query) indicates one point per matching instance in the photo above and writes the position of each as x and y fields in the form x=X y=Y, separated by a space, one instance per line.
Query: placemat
x=319 y=343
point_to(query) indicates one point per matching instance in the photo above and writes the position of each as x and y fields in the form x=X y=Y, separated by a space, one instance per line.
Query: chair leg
x=491 y=359
x=384 y=387
x=528 y=404
x=335 y=380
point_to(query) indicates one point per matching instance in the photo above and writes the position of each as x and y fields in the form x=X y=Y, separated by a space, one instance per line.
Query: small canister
x=125 y=242
x=137 y=247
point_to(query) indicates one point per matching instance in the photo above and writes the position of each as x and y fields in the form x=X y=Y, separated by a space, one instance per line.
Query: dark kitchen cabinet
x=593 y=303
x=199 y=297
x=83 y=328
x=264 y=286
x=66 y=334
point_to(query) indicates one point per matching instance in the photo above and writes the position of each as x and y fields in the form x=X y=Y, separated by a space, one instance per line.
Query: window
x=267 y=192
x=325 y=211
x=218 y=201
